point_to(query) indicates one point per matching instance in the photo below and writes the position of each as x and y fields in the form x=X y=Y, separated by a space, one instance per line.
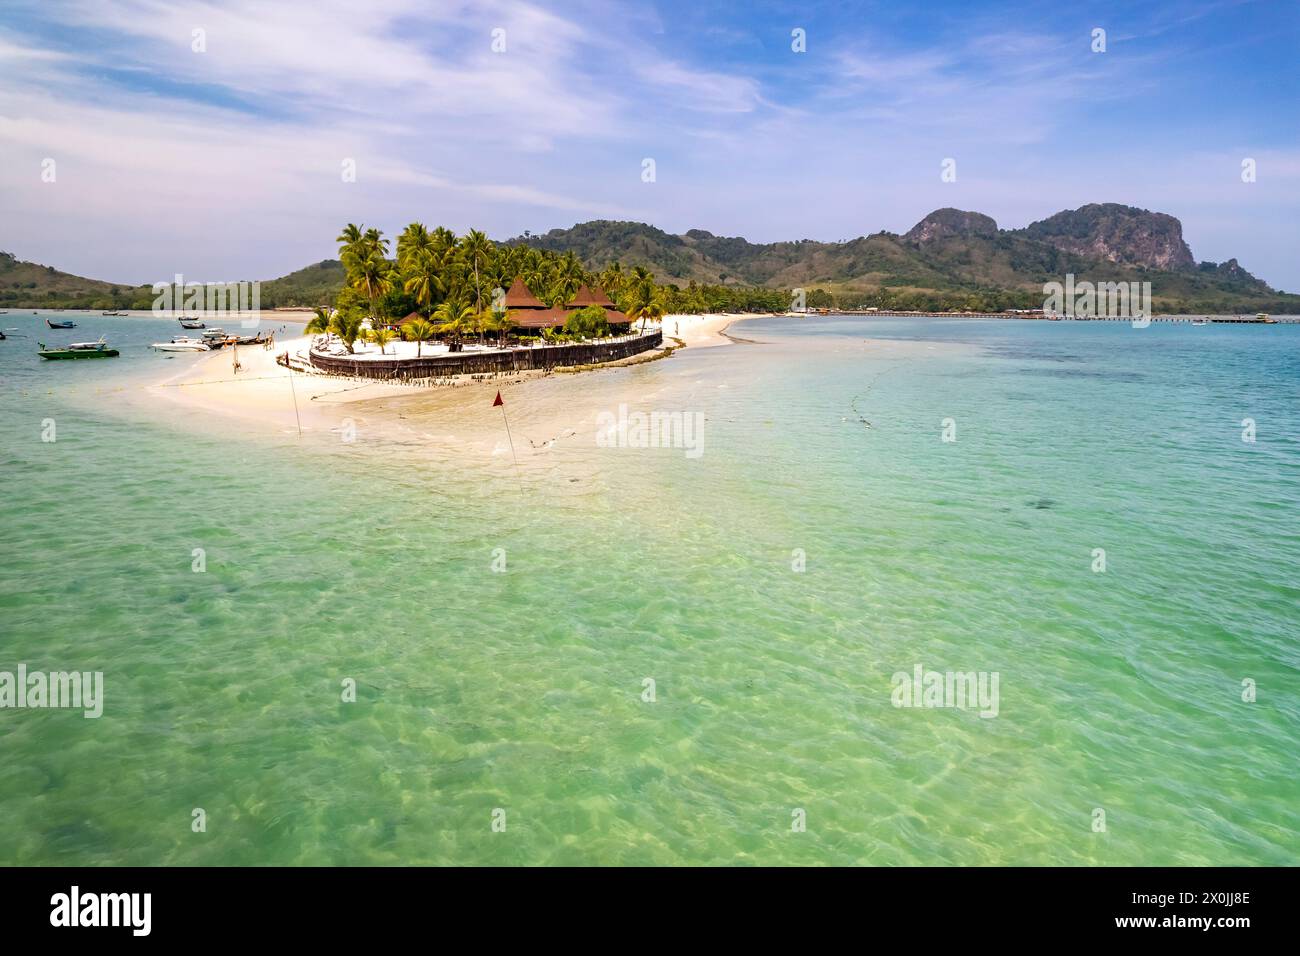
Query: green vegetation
x=344 y=322
x=951 y=260
x=380 y=336
x=26 y=285
x=588 y=323
x=418 y=331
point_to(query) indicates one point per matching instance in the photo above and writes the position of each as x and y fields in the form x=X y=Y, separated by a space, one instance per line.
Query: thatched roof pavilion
x=586 y=297
x=528 y=311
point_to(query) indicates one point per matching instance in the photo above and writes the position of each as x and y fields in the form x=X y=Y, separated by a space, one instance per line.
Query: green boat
x=78 y=350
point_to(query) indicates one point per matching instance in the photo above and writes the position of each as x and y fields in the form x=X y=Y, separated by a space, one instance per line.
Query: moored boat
x=216 y=338
x=81 y=350
x=88 y=345
x=181 y=343
x=61 y=325
x=188 y=323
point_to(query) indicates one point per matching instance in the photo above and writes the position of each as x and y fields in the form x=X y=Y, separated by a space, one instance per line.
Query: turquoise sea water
x=523 y=690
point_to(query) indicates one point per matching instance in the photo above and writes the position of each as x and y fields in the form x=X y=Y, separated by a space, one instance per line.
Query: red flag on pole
x=498 y=403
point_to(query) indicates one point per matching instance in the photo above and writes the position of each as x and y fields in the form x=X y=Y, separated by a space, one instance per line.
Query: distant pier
x=1042 y=317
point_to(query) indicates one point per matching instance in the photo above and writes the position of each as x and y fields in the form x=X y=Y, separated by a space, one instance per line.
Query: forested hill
x=951 y=259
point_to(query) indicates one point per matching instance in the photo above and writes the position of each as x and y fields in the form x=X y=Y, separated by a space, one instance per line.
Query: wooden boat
x=192 y=323
x=67 y=324
x=220 y=338
x=82 y=350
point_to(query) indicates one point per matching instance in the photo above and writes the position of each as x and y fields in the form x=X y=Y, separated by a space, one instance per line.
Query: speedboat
x=181 y=343
x=61 y=325
x=1204 y=321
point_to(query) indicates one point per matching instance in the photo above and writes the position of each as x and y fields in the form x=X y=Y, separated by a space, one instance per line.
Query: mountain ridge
x=953 y=257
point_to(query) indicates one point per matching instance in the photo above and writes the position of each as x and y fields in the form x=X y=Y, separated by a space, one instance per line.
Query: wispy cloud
x=507 y=115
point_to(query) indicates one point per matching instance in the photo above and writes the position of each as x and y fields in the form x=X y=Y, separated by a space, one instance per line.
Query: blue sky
x=227 y=163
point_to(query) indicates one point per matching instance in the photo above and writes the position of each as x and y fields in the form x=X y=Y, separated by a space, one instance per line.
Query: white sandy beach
x=702 y=331
x=261 y=392
x=552 y=416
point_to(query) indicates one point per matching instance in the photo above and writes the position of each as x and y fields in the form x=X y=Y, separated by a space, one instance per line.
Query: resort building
x=530 y=312
x=588 y=297
x=532 y=315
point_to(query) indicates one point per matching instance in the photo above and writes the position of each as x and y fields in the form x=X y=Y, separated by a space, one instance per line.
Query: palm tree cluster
x=454 y=282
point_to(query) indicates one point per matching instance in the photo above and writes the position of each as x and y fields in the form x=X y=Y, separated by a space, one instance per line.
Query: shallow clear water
x=522 y=690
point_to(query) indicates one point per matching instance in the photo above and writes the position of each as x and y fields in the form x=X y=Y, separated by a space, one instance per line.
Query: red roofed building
x=586 y=297
x=528 y=311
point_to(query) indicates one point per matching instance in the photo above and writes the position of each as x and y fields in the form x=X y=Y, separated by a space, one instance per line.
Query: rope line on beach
x=550 y=442
x=352 y=389
x=225 y=381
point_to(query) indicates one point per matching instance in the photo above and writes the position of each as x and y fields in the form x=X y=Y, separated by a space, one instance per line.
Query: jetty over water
x=1038 y=314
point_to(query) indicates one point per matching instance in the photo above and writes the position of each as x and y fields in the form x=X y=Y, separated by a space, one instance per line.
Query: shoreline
x=264 y=392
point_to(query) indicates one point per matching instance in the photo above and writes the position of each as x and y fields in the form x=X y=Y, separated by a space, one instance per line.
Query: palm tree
x=536 y=276
x=499 y=322
x=490 y=320
x=320 y=322
x=455 y=320
x=414 y=242
x=425 y=278
x=648 y=312
x=419 y=331
x=443 y=238
x=346 y=324
x=376 y=242
x=563 y=288
x=372 y=275
x=349 y=238
x=642 y=300
x=381 y=336
x=476 y=248
x=611 y=279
